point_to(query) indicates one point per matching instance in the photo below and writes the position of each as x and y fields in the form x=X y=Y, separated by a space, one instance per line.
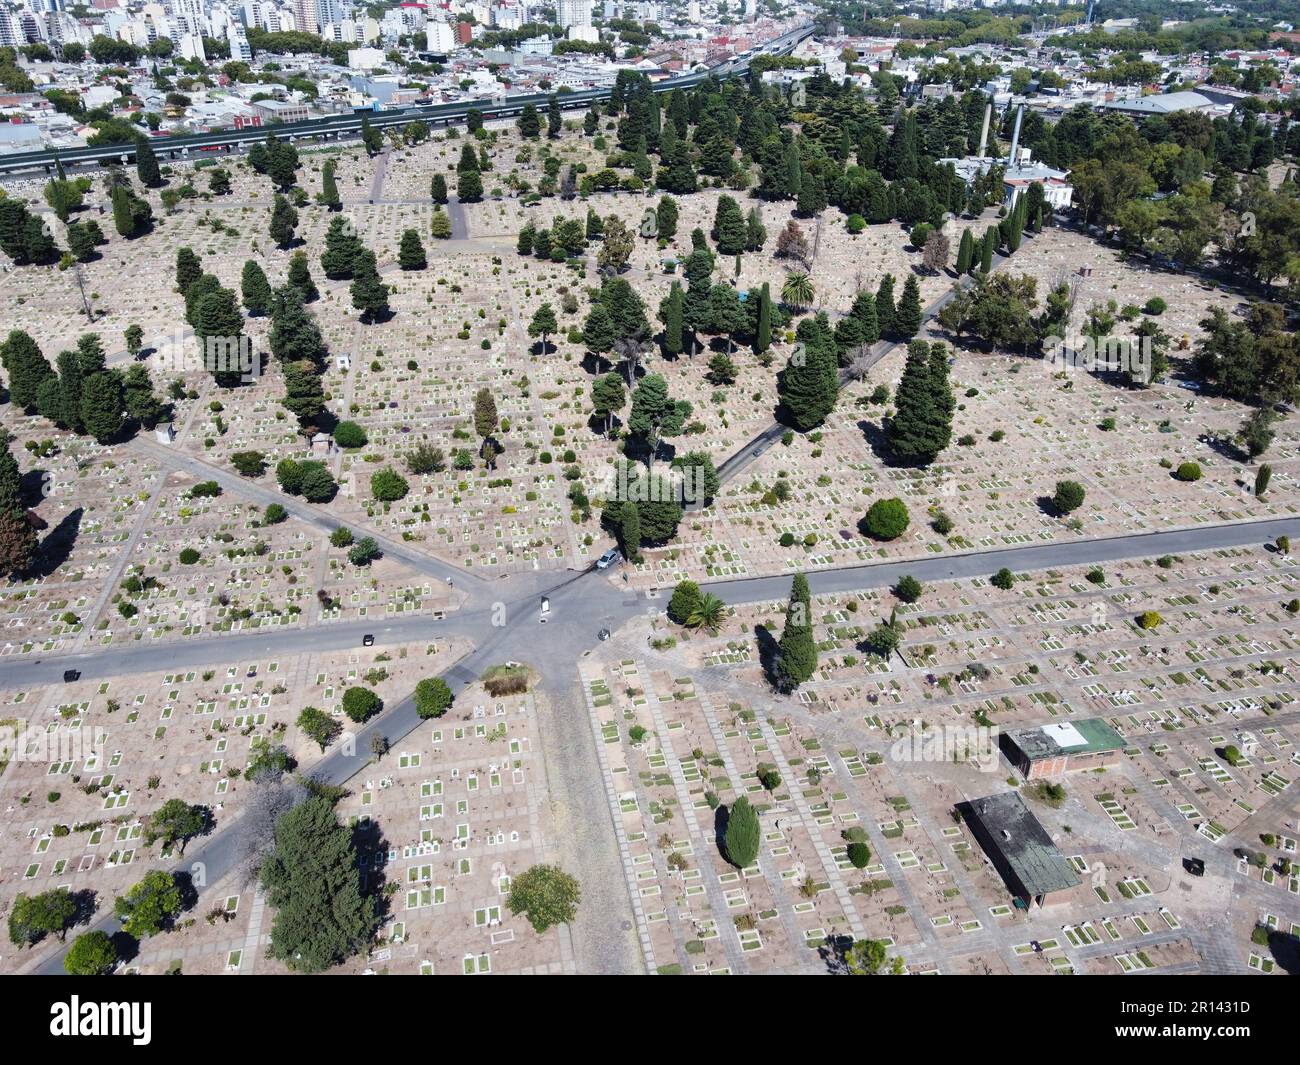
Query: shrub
x=1148 y=620
x=189 y=556
x=1096 y=575
x=205 y=490
x=1188 y=471
x=350 y=434
x=274 y=514
x=341 y=537
x=364 y=551
x=388 y=485
x=859 y=855
x=1155 y=305
x=886 y=519
x=1004 y=579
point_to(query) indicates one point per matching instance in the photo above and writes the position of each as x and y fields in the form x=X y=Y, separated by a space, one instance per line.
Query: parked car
x=69 y=675
x=368 y=640
x=612 y=557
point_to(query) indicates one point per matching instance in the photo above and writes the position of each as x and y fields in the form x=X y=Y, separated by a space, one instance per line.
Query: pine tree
x=300 y=277
x=907 y=317
x=341 y=250
x=294 y=334
x=69 y=406
x=530 y=125
x=142 y=404
x=728 y=227
x=543 y=323
x=797 y=652
x=438 y=189
x=38 y=243
x=864 y=312
x=410 y=255
x=440 y=225
x=755 y=231
x=284 y=219
x=554 y=123
x=743 y=835
x=146 y=164
x=965 y=252
x=885 y=312
x=255 y=289
x=188 y=269
x=25 y=367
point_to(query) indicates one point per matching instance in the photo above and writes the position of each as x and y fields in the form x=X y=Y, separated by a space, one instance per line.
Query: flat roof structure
x=1090 y=735
x=1024 y=855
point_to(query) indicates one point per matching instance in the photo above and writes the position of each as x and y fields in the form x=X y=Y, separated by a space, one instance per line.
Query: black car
x=1195 y=866
x=368 y=640
x=69 y=675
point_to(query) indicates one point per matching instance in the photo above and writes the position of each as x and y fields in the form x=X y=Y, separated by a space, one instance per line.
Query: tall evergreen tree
x=146 y=164
x=864 y=312
x=763 y=331
x=922 y=422
x=101 y=405
x=329 y=187
x=369 y=293
x=284 y=220
x=438 y=189
x=671 y=313
x=797 y=651
x=17 y=537
x=300 y=277
x=907 y=316
x=410 y=255
x=885 y=305
x=255 y=289
x=188 y=269
x=965 y=252
x=809 y=385
x=630 y=530
x=25 y=368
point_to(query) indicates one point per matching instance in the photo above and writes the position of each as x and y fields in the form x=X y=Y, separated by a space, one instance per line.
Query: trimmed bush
x=886 y=519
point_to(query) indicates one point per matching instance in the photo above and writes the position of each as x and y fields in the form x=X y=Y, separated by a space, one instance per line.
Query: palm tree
x=708 y=614
x=797 y=291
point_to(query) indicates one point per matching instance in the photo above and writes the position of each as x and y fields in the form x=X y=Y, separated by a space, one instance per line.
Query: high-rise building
x=573 y=13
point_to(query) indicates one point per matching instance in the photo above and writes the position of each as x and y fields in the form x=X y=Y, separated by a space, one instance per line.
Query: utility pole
x=81 y=287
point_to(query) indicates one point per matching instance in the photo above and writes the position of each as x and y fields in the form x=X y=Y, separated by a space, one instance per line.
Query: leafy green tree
x=102 y=403
x=91 y=954
x=361 y=704
x=313 y=882
x=150 y=906
x=388 y=485
x=438 y=189
x=176 y=822
x=630 y=530
x=433 y=697
x=348 y=434
x=546 y=895
x=608 y=397
x=440 y=225
x=530 y=124
x=318 y=726
x=655 y=414
x=368 y=291
x=743 y=835
x=33 y=917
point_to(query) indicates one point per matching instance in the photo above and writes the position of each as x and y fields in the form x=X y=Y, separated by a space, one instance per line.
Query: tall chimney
x=1015 y=137
x=984 y=133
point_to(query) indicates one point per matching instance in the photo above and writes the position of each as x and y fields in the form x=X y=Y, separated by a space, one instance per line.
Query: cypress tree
x=965 y=252
x=630 y=529
x=922 y=422
x=797 y=651
x=255 y=289
x=809 y=384
x=300 y=277
x=438 y=189
x=743 y=834
x=123 y=216
x=69 y=408
x=885 y=305
x=188 y=269
x=101 y=405
x=146 y=164
x=469 y=186
x=25 y=367
x=763 y=333
x=671 y=315
x=284 y=219
x=341 y=250
x=907 y=318
x=369 y=293
x=17 y=537
x=987 y=248
x=329 y=187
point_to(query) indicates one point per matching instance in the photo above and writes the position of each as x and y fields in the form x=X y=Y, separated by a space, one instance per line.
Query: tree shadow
x=57 y=546
x=874 y=434
x=833 y=954
x=769 y=651
x=85 y=903
x=372 y=852
x=1285 y=949
x=721 y=817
